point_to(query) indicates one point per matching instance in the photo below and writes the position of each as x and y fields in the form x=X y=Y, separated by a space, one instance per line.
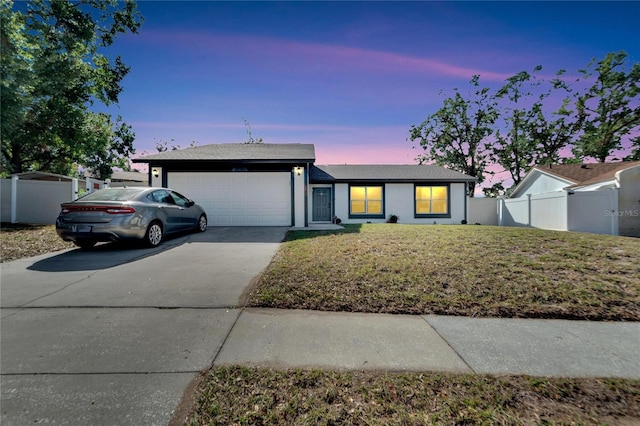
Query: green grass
x=456 y=270
x=258 y=396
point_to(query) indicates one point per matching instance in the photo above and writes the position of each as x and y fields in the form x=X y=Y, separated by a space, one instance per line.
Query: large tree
x=610 y=108
x=456 y=135
x=53 y=72
x=535 y=132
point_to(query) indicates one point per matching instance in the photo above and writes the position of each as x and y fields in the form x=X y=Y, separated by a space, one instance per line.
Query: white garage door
x=238 y=199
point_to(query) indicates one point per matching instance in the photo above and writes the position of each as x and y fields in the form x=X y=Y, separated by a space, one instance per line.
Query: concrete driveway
x=115 y=335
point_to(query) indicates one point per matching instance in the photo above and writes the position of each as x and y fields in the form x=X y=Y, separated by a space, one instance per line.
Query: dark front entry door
x=321 y=204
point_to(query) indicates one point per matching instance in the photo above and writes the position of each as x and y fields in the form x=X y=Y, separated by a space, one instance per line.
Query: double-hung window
x=366 y=201
x=432 y=201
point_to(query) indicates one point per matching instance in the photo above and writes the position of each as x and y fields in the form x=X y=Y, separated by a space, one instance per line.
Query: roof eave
x=225 y=161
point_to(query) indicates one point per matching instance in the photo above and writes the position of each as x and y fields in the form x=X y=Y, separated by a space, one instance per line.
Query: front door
x=321 y=205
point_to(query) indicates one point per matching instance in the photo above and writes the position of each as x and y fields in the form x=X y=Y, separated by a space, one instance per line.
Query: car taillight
x=105 y=209
x=120 y=210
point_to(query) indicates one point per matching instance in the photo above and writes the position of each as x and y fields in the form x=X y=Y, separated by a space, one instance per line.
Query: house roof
x=387 y=173
x=244 y=152
x=587 y=174
x=129 y=176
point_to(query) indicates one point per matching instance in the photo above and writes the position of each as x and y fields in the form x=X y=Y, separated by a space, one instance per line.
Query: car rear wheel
x=153 y=236
x=202 y=223
x=85 y=244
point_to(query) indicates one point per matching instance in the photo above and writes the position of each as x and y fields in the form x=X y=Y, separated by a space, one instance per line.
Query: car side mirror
x=190 y=203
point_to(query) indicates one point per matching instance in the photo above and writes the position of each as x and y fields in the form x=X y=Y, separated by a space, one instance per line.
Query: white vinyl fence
x=482 y=211
x=580 y=211
x=37 y=201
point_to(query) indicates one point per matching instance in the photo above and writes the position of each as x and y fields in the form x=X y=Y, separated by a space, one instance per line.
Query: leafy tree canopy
x=533 y=121
x=455 y=136
x=53 y=72
x=610 y=107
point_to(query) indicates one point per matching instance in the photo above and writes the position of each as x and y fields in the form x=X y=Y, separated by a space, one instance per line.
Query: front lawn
x=456 y=270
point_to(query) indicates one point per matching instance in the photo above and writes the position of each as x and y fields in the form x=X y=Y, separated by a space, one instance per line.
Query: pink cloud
x=287 y=53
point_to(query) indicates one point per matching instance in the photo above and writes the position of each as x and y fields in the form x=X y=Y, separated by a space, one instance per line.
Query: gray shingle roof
x=404 y=173
x=238 y=152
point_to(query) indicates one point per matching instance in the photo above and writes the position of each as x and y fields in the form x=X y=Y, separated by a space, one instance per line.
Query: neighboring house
x=123 y=178
x=573 y=177
x=599 y=197
x=279 y=185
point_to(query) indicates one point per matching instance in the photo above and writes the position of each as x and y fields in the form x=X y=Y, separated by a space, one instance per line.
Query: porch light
x=155 y=172
x=298 y=170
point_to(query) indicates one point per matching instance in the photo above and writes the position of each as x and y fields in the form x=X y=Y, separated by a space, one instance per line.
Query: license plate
x=81 y=228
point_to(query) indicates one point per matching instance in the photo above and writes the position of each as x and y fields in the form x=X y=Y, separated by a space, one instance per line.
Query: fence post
x=529 y=210
x=615 y=219
x=14 y=199
x=74 y=189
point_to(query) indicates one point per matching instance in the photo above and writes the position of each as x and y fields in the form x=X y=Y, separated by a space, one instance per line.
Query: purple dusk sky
x=349 y=77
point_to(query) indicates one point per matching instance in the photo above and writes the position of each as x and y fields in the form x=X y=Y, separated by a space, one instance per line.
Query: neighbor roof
x=129 y=176
x=237 y=152
x=386 y=173
x=587 y=174
x=44 y=176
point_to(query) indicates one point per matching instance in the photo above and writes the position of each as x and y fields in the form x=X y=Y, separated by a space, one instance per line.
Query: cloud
x=314 y=57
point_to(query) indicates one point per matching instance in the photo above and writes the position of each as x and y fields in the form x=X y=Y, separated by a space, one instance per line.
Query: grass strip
x=259 y=396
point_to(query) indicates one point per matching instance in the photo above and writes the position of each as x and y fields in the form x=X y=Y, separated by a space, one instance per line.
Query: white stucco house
x=598 y=197
x=280 y=185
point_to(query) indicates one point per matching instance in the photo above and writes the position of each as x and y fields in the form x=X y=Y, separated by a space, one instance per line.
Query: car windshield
x=113 y=194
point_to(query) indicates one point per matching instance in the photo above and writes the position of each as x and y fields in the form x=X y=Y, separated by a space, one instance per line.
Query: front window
x=432 y=201
x=366 y=201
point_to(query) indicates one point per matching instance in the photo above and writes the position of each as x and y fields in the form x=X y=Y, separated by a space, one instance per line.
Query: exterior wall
x=399 y=200
x=37 y=201
x=483 y=211
x=541 y=184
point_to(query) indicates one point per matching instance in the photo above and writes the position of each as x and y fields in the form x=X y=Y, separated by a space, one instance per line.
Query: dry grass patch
x=18 y=241
x=457 y=270
x=255 y=396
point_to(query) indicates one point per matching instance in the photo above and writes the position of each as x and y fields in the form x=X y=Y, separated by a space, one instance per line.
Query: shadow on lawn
x=303 y=235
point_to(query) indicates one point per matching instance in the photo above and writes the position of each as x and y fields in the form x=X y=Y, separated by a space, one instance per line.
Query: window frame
x=367 y=215
x=432 y=215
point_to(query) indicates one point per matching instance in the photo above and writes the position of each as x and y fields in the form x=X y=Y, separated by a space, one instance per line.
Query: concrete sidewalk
x=291 y=339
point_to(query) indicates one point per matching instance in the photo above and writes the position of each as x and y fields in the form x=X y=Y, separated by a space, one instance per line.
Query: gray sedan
x=119 y=214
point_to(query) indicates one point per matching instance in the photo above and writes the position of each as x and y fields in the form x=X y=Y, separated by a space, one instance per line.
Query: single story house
x=598 y=197
x=280 y=185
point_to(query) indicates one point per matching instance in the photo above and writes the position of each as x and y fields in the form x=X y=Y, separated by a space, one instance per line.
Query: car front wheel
x=153 y=236
x=202 y=223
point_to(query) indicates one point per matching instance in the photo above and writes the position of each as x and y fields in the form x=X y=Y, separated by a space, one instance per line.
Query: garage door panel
x=238 y=199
